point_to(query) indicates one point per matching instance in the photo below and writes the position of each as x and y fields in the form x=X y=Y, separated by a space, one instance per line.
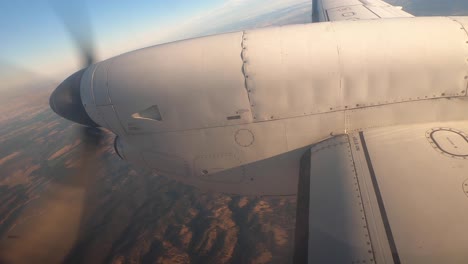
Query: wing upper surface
x=390 y=195
x=335 y=10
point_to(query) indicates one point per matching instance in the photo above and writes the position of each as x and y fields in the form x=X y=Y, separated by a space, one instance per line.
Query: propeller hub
x=66 y=101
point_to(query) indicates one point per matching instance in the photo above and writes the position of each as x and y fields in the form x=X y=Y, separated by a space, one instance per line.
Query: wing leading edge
x=335 y=10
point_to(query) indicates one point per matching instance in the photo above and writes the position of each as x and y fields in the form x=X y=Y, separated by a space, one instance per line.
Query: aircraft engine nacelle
x=234 y=112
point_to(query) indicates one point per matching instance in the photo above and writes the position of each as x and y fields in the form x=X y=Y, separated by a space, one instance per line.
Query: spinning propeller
x=49 y=226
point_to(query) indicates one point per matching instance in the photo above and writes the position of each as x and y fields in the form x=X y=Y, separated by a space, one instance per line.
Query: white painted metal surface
x=351 y=10
x=101 y=81
x=338 y=227
x=196 y=84
x=422 y=188
x=390 y=195
x=338 y=66
x=233 y=100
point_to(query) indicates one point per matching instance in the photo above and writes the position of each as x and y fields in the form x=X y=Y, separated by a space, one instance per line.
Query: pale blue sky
x=34 y=39
x=32 y=34
x=31 y=27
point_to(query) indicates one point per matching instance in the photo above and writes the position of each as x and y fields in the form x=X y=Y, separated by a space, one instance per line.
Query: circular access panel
x=244 y=137
x=448 y=141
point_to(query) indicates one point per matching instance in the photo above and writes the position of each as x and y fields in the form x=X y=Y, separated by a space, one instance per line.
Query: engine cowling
x=213 y=111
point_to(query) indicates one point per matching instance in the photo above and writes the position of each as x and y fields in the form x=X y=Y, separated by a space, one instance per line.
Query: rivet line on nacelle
x=244 y=71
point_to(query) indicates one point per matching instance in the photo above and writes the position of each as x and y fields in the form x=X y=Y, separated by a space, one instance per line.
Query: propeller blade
x=75 y=18
x=48 y=228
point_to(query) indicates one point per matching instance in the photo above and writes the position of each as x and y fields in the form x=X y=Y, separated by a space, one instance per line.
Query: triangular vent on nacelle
x=151 y=113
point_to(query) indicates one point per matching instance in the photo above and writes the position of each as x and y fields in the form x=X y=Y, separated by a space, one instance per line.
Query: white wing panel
x=420 y=174
x=335 y=10
x=390 y=195
x=338 y=225
x=355 y=12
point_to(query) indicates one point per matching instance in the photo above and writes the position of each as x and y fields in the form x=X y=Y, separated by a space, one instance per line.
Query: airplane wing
x=334 y=10
x=386 y=195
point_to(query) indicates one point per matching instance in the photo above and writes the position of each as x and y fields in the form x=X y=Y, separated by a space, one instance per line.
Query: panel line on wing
x=361 y=189
x=466 y=32
x=301 y=234
x=391 y=240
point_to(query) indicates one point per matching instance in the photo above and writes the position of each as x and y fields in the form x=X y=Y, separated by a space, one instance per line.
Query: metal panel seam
x=301 y=237
x=367 y=3
x=364 y=214
x=365 y=6
x=364 y=3
x=107 y=80
x=466 y=32
x=378 y=194
x=340 y=63
x=346 y=121
x=92 y=85
x=108 y=88
x=302 y=116
x=124 y=128
x=244 y=70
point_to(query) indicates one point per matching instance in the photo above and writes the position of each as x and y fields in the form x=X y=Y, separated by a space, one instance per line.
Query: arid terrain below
x=134 y=216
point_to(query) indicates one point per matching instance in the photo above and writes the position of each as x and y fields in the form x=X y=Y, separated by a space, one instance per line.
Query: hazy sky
x=35 y=40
